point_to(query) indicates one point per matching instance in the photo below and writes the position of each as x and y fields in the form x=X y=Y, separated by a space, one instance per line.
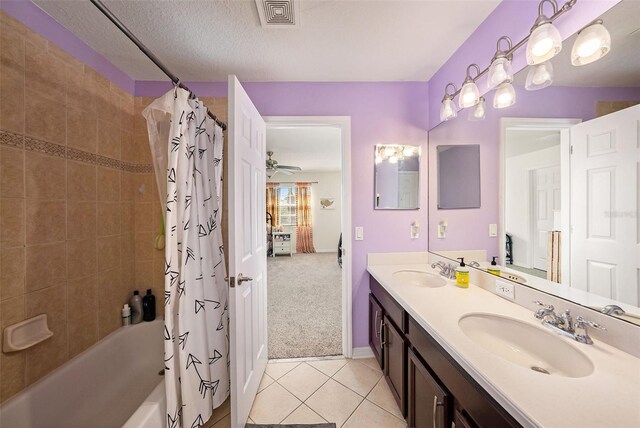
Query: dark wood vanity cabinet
x=430 y=387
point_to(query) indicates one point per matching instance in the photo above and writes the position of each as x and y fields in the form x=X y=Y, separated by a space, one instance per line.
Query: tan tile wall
x=67 y=226
x=606 y=107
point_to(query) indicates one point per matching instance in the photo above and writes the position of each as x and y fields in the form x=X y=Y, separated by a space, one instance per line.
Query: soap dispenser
x=462 y=274
x=494 y=269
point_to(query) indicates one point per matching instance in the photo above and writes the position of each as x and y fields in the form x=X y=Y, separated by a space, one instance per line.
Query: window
x=287 y=213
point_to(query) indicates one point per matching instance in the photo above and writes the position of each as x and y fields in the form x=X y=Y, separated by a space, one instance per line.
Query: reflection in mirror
x=559 y=178
x=397 y=177
x=458 y=176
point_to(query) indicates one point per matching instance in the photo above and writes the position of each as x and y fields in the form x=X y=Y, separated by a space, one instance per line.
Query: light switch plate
x=493 y=230
x=359 y=233
x=505 y=290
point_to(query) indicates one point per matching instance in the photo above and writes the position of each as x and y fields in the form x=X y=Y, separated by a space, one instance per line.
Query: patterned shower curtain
x=196 y=350
x=304 y=230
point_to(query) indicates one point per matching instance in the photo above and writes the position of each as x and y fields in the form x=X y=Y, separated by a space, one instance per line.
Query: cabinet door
x=395 y=357
x=461 y=421
x=428 y=403
x=375 y=328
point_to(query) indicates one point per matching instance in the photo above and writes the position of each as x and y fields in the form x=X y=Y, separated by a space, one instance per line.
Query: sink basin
x=419 y=278
x=525 y=345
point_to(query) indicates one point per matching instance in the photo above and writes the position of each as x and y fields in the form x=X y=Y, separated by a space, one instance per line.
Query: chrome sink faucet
x=563 y=324
x=446 y=269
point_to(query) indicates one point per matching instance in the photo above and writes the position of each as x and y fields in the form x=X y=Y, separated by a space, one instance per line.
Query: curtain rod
x=102 y=8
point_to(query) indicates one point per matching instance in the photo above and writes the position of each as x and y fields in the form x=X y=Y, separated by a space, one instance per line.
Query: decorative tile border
x=12 y=139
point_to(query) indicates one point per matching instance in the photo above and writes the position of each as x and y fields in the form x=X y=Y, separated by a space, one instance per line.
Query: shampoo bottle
x=126 y=314
x=149 y=306
x=462 y=274
x=136 y=308
x=494 y=269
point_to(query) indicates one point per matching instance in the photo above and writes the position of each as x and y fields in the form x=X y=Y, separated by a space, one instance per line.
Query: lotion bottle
x=136 y=308
x=126 y=315
x=494 y=269
x=462 y=274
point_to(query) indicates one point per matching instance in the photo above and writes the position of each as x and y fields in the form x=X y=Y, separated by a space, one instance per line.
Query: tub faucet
x=612 y=310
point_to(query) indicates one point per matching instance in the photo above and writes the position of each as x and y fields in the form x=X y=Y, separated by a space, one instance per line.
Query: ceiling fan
x=273 y=167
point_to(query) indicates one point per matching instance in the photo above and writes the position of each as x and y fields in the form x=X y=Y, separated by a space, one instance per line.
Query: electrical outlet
x=506 y=290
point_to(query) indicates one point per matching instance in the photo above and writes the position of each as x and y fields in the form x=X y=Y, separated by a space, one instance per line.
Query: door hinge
x=232 y=281
x=570 y=150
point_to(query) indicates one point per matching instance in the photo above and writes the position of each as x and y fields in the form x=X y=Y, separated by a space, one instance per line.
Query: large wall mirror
x=397 y=177
x=559 y=177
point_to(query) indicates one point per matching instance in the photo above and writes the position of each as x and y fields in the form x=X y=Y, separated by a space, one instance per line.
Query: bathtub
x=101 y=387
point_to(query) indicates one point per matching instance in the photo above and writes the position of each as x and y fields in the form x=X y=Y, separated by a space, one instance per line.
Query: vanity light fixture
x=505 y=96
x=388 y=151
x=448 y=108
x=500 y=69
x=407 y=151
x=478 y=111
x=393 y=159
x=469 y=94
x=539 y=76
x=544 y=41
x=593 y=42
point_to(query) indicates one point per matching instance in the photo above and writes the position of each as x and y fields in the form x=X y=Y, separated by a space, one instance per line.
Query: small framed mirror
x=397 y=177
x=458 y=176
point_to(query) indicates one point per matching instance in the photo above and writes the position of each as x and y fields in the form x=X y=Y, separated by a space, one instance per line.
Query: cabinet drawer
x=281 y=251
x=393 y=310
x=286 y=245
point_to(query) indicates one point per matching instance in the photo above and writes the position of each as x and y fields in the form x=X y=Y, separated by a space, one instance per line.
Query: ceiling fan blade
x=285 y=171
x=291 y=168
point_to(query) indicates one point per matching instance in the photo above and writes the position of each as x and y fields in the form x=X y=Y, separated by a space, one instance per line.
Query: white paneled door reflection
x=605 y=242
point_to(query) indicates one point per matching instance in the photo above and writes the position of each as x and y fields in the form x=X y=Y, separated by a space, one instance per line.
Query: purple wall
x=512 y=18
x=469 y=229
x=39 y=21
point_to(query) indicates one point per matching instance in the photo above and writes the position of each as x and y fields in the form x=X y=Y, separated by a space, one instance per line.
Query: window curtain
x=273 y=204
x=304 y=230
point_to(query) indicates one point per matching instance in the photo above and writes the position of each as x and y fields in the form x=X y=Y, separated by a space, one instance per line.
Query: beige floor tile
x=381 y=396
x=303 y=381
x=277 y=370
x=328 y=367
x=219 y=413
x=273 y=404
x=370 y=362
x=223 y=423
x=371 y=416
x=304 y=415
x=358 y=377
x=250 y=421
x=334 y=402
x=265 y=381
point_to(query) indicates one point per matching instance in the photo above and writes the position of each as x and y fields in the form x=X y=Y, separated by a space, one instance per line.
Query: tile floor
x=351 y=393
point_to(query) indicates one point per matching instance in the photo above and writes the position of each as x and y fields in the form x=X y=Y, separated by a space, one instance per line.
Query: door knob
x=242 y=279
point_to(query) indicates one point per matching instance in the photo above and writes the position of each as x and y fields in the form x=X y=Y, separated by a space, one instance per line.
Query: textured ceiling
x=389 y=40
x=619 y=68
x=312 y=148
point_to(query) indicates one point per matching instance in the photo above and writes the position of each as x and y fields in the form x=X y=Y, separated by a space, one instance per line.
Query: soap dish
x=26 y=334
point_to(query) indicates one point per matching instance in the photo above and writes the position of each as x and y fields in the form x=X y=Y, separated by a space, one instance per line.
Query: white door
x=546 y=200
x=605 y=254
x=247 y=251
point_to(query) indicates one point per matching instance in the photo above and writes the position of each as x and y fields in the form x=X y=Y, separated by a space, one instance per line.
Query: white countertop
x=609 y=397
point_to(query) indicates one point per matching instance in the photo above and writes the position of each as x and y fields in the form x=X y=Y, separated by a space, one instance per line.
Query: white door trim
x=536 y=123
x=344 y=123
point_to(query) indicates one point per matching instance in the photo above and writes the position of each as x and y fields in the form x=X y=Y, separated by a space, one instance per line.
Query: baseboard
x=332 y=250
x=360 y=353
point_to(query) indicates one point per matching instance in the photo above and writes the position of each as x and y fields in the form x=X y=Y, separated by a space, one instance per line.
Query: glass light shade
x=388 y=151
x=378 y=159
x=544 y=43
x=469 y=95
x=592 y=43
x=447 y=110
x=407 y=151
x=393 y=159
x=539 y=76
x=505 y=96
x=499 y=71
x=478 y=111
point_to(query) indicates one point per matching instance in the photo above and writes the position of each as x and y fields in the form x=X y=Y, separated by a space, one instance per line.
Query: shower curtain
x=188 y=162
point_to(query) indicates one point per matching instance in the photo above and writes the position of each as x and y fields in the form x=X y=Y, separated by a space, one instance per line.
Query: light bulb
x=407 y=151
x=505 y=96
x=539 y=76
x=393 y=159
x=544 y=43
x=592 y=43
x=469 y=95
x=378 y=159
x=447 y=110
x=499 y=71
x=478 y=111
x=388 y=151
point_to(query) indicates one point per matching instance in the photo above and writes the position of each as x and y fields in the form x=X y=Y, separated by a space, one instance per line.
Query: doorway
x=308 y=218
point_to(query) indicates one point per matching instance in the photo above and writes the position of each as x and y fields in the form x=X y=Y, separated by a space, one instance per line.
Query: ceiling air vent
x=278 y=13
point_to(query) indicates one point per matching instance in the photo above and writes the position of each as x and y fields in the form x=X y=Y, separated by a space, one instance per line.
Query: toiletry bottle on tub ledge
x=149 y=306
x=136 y=308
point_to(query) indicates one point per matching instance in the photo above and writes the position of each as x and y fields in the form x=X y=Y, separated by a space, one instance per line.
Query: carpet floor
x=304 y=305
